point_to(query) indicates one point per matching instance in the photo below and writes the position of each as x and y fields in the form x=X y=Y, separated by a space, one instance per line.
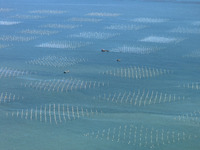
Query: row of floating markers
x=8 y=23
x=55 y=113
x=39 y=32
x=16 y=38
x=136 y=72
x=193 y=54
x=125 y=27
x=133 y=49
x=94 y=20
x=103 y=14
x=5 y=9
x=193 y=85
x=186 y=30
x=55 y=61
x=150 y=20
x=27 y=17
x=95 y=35
x=63 y=85
x=48 y=12
x=3 y=46
x=9 y=97
x=8 y=72
x=139 y=98
x=64 y=44
x=161 y=39
x=193 y=117
x=139 y=136
x=196 y=23
x=61 y=26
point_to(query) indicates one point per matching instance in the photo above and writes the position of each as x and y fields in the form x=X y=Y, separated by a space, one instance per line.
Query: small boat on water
x=118 y=60
x=103 y=50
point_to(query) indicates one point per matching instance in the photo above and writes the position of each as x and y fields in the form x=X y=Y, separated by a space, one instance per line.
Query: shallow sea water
x=148 y=100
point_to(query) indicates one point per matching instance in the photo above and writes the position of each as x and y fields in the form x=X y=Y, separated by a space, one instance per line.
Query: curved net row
x=8 y=23
x=60 y=26
x=193 y=54
x=125 y=27
x=27 y=17
x=193 y=85
x=149 y=20
x=196 y=23
x=39 y=32
x=139 y=136
x=95 y=35
x=16 y=38
x=85 y=20
x=136 y=72
x=102 y=14
x=54 y=113
x=64 y=45
x=161 y=39
x=55 y=61
x=48 y=12
x=9 y=97
x=139 y=98
x=186 y=30
x=133 y=49
x=8 y=72
x=3 y=46
x=5 y=9
x=193 y=117
x=63 y=85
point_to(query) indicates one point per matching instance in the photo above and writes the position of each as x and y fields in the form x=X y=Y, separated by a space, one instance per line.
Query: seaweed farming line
x=161 y=39
x=39 y=32
x=192 y=117
x=8 y=23
x=9 y=97
x=16 y=38
x=27 y=17
x=196 y=23
x=95 y=35
x=149 y=20
x=48 y=12
x=54 y=113
x=61 y=26
x=133 y=49
x=139 y=97
x=5 y=9
x=193 y=54
x=125 y=27
x=139 y=136
x=103 y=14
x=94 y=20
x=8 y=72
x=55 y=61
x=193 y=85
x=63 y=85
x=64 y=45
x=186 y=30
x=136 y=72
x=3 y=46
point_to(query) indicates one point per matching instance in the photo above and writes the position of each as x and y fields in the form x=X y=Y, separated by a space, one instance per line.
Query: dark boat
x=103 y=50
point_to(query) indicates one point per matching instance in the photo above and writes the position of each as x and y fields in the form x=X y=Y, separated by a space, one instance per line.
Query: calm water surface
x=147 y=100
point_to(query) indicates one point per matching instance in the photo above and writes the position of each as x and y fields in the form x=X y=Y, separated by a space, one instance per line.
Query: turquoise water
x=147 y=100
